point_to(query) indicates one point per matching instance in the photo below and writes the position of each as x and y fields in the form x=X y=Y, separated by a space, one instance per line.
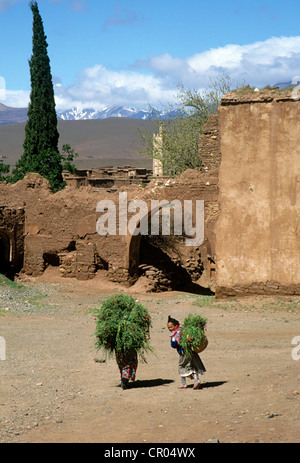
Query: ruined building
x=250 y=185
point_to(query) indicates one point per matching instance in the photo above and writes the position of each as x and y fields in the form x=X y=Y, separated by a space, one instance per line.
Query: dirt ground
x=56 y=389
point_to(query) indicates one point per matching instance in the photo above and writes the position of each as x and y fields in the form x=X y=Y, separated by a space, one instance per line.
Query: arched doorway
x=161 y=265
x=161 y=258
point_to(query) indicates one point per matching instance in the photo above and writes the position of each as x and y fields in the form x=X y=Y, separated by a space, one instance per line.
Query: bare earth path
x=55 y=388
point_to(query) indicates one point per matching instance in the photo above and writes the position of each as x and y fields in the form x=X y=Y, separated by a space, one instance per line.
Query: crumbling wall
x=60 y=229
x=209 y=144
x=197 y=261
x=209 y=152
x=109 y=177
x=258 y=234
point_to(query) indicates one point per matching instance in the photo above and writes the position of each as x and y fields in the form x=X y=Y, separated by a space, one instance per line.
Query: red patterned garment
x=127 y=365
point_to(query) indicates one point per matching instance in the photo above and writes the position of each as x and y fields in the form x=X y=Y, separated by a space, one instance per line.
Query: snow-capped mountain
x=78 y=114
x=13 y=116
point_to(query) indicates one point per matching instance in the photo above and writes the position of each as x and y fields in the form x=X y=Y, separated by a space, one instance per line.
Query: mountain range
x=12 y=115
x=79 y=114
x=16 y=115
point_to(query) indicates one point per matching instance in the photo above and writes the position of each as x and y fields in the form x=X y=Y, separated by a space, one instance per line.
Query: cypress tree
x=40 y=148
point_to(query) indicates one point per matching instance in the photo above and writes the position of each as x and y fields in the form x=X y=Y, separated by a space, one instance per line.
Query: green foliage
x=192 y=333
x=122 y=325
x=47 y=163
x=4 y=281
x=68 y=156
x=41 y=129
x=178 y=149
x=4 y=172
x=40 y=146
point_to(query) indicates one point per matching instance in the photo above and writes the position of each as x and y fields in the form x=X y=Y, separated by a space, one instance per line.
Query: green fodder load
x=192 y=336
x=123 y=326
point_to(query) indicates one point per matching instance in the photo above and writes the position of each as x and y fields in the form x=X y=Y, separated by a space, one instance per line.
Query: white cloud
x=261 y=63
x=15 y=98
x=99 y=87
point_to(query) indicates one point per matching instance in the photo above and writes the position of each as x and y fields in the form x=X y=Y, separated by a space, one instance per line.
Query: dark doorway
x=153 y=252
x=5 y=251
x=51 y=259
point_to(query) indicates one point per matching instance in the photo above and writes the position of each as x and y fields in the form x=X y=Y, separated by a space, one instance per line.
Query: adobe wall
x=258 y=230
x=209 y=144
x=60 y=229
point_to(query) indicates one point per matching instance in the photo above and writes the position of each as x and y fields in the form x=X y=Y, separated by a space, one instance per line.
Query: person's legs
x=127 y=366
x=124 y=383
x=197 y=384
x=183 y=383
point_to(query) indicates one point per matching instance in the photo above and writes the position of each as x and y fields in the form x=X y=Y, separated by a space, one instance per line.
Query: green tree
x=4 y=172
x=40 y=148
x=180 y=127
x=68 y=158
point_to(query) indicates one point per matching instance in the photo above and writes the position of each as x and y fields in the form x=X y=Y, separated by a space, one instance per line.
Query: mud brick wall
x=257 y=233
x=60 y=229
x=209 y=144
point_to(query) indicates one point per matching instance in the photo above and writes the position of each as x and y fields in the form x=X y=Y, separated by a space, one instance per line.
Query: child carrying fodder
x=189 y=340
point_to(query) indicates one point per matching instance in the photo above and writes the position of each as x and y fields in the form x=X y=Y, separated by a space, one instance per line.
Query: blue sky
x=136 y=52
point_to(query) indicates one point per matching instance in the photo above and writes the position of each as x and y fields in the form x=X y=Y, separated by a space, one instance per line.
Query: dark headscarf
x=173 y=320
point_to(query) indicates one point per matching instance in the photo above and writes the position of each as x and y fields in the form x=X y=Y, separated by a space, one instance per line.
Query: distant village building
x=157 y=154
x=110 y=178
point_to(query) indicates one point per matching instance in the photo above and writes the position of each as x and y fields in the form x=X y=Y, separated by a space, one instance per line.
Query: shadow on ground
x=210 y=384
x=149 y=383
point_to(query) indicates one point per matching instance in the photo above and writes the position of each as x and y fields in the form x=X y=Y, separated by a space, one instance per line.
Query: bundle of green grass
x=192 y=336
x=123 y=326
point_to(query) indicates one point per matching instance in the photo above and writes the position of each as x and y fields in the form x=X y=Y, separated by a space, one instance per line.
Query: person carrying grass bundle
x=122 y=330
x=190 y=365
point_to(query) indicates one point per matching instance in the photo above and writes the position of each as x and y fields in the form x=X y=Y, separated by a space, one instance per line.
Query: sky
x=137 y=52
